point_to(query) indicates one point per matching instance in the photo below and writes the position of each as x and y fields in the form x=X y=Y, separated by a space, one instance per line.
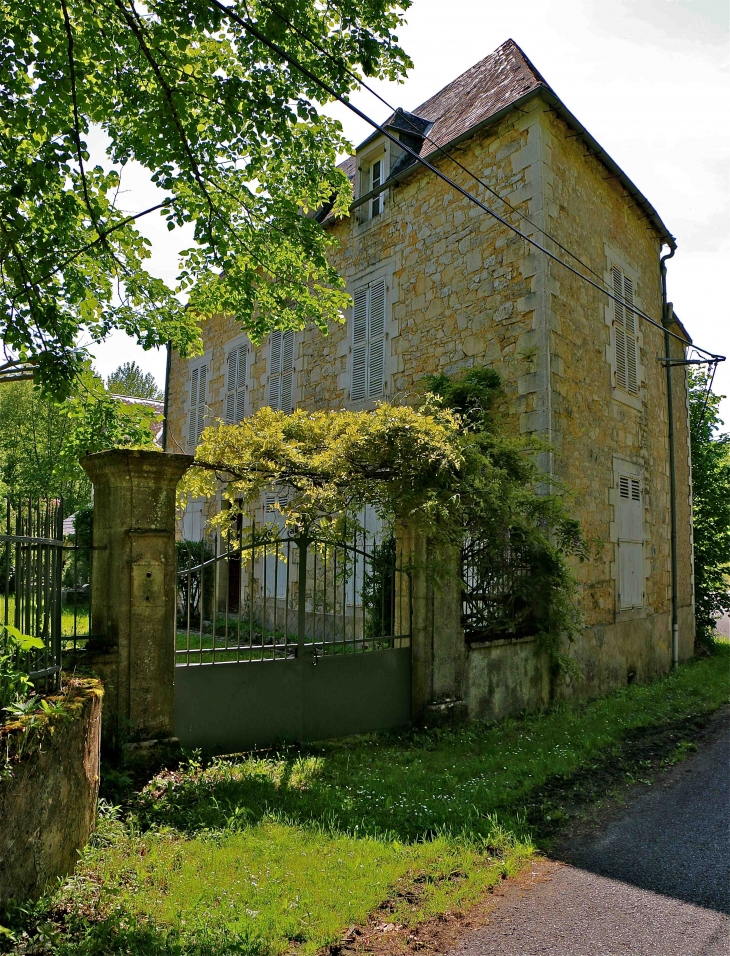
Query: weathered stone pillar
x=133 y=589
x=439 y=654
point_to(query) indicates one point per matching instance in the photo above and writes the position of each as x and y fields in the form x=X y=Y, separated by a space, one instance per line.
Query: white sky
x=646 y=77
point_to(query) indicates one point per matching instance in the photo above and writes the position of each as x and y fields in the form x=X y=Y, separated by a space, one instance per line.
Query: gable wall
x=593 y=431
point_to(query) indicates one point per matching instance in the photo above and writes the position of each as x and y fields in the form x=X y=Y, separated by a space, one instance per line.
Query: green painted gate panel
x=225 y=708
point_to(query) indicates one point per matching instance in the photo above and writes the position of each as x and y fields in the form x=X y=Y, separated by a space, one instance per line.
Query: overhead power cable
x=437 y=146
x=305 y=71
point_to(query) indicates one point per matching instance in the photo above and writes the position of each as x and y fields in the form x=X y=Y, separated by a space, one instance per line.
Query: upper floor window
x=236 y=384
x=281 y=371
x=376 y=179
x=368 y=341
x=198 y=397
x=626 y=344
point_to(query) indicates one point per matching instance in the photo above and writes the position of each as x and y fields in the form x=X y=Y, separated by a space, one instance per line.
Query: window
x=376 y=179
x=198 y=396
x=630 y=542
x=281 y=371
x=368 y=341
x=626 y=345
x=236 y=384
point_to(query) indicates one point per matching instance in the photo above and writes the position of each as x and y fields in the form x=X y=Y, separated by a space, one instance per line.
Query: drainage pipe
x=666 y=321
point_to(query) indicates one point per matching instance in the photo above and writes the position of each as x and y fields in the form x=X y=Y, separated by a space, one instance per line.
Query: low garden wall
x=49 y=782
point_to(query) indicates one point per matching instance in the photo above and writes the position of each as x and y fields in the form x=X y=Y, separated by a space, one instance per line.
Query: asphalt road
x=655 y=882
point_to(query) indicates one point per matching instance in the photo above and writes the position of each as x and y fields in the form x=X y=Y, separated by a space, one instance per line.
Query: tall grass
x=266 y=853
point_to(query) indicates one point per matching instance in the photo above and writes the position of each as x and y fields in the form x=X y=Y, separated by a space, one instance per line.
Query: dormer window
x=376 y=179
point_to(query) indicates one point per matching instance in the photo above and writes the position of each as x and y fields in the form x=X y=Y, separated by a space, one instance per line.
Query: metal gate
x=283 y=638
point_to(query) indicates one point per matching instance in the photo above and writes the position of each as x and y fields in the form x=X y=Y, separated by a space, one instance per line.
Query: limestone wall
x=48 y=792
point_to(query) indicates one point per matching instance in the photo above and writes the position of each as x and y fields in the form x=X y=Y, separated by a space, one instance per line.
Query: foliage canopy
x=233 y=135
x=710 y=505
x=443 y=469
x=41 y=440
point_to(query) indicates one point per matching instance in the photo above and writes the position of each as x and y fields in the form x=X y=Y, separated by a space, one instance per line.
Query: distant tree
x=41 y=440
x=129 y=379
x=711 y=505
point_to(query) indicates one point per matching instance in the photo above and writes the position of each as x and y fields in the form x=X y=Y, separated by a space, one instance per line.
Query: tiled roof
x=483 y=90
x=486 y=88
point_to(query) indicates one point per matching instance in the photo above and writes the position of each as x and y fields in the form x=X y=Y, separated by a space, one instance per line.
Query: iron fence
x=42 y=589
x=495 y=600
x=262 y=594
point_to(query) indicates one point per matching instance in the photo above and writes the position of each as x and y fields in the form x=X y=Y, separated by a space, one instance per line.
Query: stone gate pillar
x=439 y=654
x=133 y=589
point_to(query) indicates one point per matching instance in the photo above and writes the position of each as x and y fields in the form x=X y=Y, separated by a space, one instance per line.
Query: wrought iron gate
x=286 y=638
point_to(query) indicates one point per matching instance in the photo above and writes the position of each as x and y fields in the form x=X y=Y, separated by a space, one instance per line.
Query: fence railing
x=495 y=600
x=269 y=595
x=43 y=592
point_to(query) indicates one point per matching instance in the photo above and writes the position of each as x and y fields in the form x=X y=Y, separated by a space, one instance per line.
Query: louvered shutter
x=376 y=339
x=632 y=346
x=619 y=326
x=274 y=370
x=358 y=388
x=287 y=372
x=241 y=383
x=193 y=412
x=630 y=542
x=202 y=394
x=231 y=386
x=236 y=385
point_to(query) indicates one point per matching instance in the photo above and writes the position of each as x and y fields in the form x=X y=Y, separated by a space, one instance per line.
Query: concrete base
x=511 y=677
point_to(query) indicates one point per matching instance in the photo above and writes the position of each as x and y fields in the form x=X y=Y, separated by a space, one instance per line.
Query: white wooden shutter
x=236 y=385
x=376 y=339
x=630 y=542
x=287 y=372
x=193 y=411
x=625 y=331
x=241 y=383
x=202 y=395
x=632 y=345
x=619 y=327
x=198 y=395
x=368 y=341
x=359 y=385
x=274 y=370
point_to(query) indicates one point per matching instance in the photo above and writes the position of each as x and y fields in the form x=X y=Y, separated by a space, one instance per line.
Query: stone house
x=438 y=285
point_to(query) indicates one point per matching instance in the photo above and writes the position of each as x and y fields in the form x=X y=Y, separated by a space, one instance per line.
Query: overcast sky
x=647 y=78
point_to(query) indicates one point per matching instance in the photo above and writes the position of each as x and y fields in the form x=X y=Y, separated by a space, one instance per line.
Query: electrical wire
x=305 y=71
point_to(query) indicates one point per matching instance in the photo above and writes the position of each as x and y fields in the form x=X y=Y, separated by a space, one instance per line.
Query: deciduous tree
x=233 y=135
x=710 y=505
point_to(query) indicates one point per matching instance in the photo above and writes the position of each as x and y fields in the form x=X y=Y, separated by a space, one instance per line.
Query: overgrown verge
x=288 y=851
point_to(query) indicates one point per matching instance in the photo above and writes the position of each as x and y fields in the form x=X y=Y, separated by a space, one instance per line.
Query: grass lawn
x=281 y=852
